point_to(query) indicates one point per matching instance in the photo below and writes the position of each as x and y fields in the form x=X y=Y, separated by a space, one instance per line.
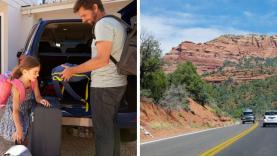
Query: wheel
x=264 y=125
x=242 y=122
x=253 y=121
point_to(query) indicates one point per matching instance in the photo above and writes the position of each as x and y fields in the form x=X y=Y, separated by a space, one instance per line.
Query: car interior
x=61 y=43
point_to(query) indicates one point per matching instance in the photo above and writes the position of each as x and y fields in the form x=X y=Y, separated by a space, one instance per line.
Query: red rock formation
x=211 y=55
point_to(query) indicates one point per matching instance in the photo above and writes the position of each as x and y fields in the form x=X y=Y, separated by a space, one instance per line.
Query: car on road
x=270 y=118
x=248 y=116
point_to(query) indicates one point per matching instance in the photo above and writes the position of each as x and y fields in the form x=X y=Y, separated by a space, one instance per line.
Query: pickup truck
x=55 y=42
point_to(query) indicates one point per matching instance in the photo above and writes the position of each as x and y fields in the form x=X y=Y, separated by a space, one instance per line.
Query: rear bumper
x=77 y=116
x=266 y=121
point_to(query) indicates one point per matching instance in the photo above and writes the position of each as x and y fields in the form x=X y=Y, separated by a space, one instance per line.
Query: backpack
x=6 y=86
x=56 y=80
x=127 y=65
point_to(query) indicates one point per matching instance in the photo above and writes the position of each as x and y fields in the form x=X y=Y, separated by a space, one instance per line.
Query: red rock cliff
x=209 y=56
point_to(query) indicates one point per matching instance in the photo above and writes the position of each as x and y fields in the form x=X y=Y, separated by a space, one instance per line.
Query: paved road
x=260 y=142
x=194 y=144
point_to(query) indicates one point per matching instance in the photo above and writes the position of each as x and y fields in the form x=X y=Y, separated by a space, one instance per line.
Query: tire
x=242 y=122
x=264 y=125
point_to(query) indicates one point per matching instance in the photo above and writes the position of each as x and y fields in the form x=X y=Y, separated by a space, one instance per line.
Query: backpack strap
x=113 y=59
x=120 y=21
x=33 y=84
x=20 y=87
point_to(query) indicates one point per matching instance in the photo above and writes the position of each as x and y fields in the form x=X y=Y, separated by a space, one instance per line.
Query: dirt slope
x=160 y=123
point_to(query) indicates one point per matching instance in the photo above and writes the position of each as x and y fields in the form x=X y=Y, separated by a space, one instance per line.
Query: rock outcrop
x=209 y=56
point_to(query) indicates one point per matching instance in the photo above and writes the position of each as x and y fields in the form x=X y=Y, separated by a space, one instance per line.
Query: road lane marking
x=186 y=134
x=220 y=147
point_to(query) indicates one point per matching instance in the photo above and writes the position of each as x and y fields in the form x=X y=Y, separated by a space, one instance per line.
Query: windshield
x=66 y=37
x=247 y=113
x=270 y=113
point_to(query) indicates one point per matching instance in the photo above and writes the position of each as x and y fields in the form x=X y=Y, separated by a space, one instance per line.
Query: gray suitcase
x=46 y=131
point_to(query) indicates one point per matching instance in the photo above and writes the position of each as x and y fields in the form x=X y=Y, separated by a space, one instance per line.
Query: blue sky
x=174 y=21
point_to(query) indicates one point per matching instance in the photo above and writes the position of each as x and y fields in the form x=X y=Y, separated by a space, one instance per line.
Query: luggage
x=56 y=80
x=46 y=130
x=18 y=150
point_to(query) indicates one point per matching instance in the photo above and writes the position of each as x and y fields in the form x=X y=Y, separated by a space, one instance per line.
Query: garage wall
x=14 y=32
x=11 y=25
x=67 y=13
x=4 y=36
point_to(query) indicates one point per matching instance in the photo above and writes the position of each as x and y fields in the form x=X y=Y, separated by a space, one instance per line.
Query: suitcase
x=46 y=131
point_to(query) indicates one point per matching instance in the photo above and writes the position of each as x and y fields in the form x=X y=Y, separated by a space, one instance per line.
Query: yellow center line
x=220 y=147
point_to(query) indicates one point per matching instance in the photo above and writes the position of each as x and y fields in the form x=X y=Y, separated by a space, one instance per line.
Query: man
x=107 y=86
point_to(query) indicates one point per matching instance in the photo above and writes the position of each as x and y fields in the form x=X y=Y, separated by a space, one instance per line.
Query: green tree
x=150 y=53
x=186 y=74
x=156 y=84
x=153 y=80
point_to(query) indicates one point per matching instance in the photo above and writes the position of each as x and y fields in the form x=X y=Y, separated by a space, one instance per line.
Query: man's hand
x=66 y=73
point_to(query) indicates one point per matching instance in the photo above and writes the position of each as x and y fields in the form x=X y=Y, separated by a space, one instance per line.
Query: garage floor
x=82 y=144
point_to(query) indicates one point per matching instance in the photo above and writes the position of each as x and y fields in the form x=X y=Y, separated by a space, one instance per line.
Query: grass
x=160 y=125
x=195 y=125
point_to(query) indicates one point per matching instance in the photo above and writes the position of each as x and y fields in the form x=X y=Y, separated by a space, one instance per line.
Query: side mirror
x=19 y=53
x=19 y=56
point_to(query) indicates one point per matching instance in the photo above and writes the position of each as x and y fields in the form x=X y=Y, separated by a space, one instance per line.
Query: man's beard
x=94 y=19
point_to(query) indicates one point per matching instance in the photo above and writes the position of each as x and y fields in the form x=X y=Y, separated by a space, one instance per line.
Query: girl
x=15 y=121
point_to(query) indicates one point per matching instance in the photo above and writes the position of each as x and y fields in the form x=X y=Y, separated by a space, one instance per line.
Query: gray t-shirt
x=109 y=29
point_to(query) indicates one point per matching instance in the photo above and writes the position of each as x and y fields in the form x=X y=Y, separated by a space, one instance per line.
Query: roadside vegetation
x=172 y=91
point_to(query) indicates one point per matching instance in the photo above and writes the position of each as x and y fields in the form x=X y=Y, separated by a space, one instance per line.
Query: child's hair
x=27 y=63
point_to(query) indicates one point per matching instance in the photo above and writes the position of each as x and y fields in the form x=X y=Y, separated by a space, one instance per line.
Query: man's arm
x=104 y=49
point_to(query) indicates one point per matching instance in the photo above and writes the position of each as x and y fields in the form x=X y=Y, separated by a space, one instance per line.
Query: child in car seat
x=15 y=121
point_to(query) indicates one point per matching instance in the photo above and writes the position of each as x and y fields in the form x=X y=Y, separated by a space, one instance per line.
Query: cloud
x=170 y=34
x=247 y=14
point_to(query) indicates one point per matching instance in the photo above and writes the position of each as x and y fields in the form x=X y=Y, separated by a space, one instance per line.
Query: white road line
x=149 y=142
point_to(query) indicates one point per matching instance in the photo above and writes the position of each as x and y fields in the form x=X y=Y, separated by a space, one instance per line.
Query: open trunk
x=64 y=42
x=55 y=42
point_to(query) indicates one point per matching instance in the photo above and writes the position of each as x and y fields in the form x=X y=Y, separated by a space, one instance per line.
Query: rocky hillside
x=156 y=122
x=210 y=56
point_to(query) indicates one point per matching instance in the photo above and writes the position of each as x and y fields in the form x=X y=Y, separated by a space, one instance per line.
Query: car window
x=247 y=113
x=270 y=113
x=66 y=37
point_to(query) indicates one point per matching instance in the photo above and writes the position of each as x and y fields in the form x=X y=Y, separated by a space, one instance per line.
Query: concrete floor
x=74 y=144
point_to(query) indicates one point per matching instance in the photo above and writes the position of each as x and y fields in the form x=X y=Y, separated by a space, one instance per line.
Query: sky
x=174 y=21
